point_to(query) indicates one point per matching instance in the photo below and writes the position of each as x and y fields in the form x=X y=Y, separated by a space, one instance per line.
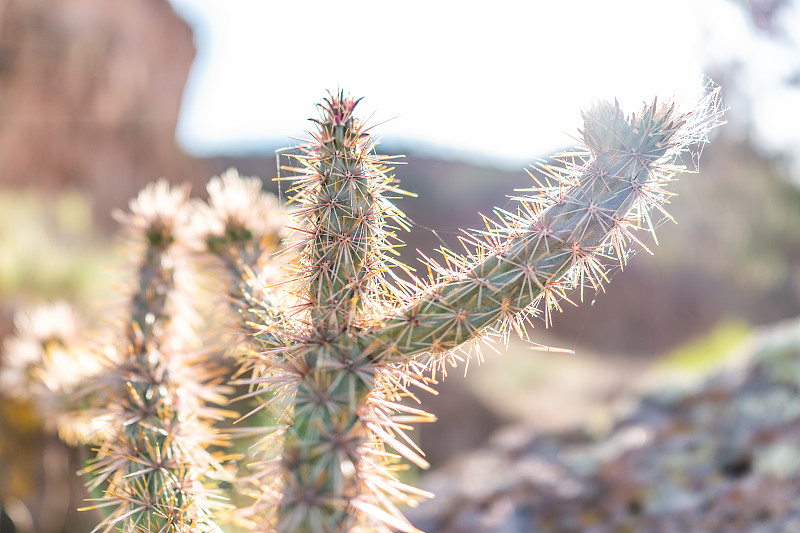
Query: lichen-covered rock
x=720 y=456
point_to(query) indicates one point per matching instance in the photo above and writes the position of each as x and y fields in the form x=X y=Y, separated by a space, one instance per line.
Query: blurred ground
x=719 y=453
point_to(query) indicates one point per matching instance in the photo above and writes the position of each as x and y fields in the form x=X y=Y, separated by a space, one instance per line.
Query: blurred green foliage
x=709 y=352
x=50 y=247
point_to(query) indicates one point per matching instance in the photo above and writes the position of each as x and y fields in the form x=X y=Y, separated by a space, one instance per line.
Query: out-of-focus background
x=99 y=98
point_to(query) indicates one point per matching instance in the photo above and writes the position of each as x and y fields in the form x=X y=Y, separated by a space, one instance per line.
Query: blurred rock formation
x=90 y=92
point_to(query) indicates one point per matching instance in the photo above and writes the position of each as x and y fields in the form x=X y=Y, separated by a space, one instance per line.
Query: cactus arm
x=343 y=214
x=47 y=363
x=342 y=218
x=154 y=458
x=243 y=227
x=591 y=213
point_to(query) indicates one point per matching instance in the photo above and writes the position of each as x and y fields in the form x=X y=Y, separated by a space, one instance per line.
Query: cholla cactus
x=240 y=224
x=353 y=337
x=155 y=464
x=243 y=227
x=337 y=331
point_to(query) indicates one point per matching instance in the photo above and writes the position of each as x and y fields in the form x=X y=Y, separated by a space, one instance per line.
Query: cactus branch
x=338 y=345
x=155 y=463
x=46 y=362
x=590 y=208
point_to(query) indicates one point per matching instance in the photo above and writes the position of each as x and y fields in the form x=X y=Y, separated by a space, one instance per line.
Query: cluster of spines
x=243 y=227
x=345 y=223
x=155 y=466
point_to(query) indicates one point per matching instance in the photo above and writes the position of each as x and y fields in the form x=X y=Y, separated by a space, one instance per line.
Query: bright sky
x=502 y=81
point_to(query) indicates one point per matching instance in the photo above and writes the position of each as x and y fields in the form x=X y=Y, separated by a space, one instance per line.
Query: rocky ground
x=722 y=455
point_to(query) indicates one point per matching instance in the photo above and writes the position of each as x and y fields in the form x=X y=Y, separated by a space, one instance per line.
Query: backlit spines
x=154 y=465
x=356 y=339
x=345 y=222
x=244 y=227
x=560 y=238
x=312 y=361
x=241 y=223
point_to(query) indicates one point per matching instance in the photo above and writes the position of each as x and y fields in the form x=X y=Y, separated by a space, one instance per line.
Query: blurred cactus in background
x=45 y=362
x=333 y=332
x=154 y=463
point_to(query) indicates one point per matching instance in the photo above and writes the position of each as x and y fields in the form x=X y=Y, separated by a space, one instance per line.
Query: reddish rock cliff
x=90 y=92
